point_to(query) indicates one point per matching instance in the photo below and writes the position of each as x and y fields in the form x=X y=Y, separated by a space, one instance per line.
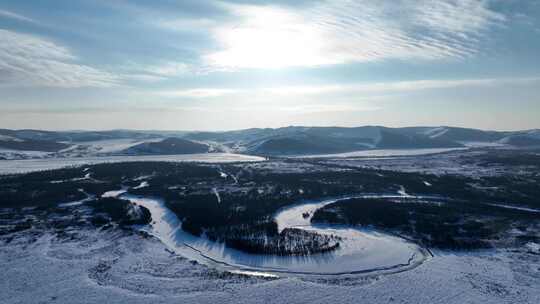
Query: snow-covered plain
x=107 y=146
x=30 y=165
x=460 y=162
x=117 y=267
x=9 y=154
x=384 y=153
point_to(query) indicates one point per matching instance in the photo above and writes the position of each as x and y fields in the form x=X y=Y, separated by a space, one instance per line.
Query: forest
x=235 y=203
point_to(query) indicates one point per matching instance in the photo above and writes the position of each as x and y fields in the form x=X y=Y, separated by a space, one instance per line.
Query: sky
x=234 y=64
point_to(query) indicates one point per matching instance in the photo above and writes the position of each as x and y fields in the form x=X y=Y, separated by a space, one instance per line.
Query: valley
x=354 y=220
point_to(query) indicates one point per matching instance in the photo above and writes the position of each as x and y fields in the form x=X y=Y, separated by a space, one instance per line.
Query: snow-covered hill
x=294 y=140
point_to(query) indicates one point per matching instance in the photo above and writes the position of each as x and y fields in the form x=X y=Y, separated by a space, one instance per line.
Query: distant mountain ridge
x=74 y=136
x=293 y=140
x=315 y=140
x=168 y=146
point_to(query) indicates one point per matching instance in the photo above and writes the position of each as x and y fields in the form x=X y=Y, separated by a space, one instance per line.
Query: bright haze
x=218 y=65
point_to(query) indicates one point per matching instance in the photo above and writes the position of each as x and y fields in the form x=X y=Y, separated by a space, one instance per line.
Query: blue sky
x=214 y=65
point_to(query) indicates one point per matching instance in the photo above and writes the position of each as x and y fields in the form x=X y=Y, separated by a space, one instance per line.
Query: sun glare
x=268 y=38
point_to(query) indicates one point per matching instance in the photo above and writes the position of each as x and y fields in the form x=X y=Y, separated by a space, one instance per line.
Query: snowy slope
x=113 y=267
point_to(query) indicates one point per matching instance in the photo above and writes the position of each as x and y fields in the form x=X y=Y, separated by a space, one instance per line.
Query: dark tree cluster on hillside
x=122 y=212
x=65 y=220
x=262 y=238
x=450 y=225
x=237 y=207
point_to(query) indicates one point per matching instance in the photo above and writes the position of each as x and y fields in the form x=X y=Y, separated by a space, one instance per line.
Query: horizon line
x=262 y=128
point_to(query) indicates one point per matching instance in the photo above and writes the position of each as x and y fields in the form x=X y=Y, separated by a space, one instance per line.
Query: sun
x=268 y=37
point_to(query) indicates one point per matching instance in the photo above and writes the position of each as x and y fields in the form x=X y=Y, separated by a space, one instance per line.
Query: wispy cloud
x=15 y=16
x=456 y=17
x=30 y=60
x=341 y=31
x=354 y=89
x=198 y=93
x=397 y=86
x=186 y=24
x=156 y=72
x=306 y=108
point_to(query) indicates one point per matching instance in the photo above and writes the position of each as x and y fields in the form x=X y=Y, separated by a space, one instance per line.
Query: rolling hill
x=294 y=140
x=167 y=146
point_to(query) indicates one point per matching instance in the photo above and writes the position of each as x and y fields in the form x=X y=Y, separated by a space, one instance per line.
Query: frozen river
x=360 y=251
x=31 y=165
x=384 y=153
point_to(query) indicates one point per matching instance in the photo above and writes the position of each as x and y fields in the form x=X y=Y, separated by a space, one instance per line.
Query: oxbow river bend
x=361 y=251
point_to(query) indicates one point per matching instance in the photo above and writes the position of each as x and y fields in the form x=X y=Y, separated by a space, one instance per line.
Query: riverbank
x=360 y=252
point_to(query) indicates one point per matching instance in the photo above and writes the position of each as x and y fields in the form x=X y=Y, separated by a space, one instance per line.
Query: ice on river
x=360 y=251
x=30 y=165
x=384 y=153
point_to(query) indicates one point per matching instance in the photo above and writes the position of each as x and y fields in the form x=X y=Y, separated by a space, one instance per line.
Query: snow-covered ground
x=104 y=147
x=516 y=208
x=461 y=162
x=30 y=165
x=384 y=153
x=9 y=154
x=118 y=267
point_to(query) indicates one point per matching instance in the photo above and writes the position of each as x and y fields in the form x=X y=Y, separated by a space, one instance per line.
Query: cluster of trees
x=242 y=217
x=102 y=213
x=527 y=157
x=123 y=212
x=451 y=225
x=262 y=238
